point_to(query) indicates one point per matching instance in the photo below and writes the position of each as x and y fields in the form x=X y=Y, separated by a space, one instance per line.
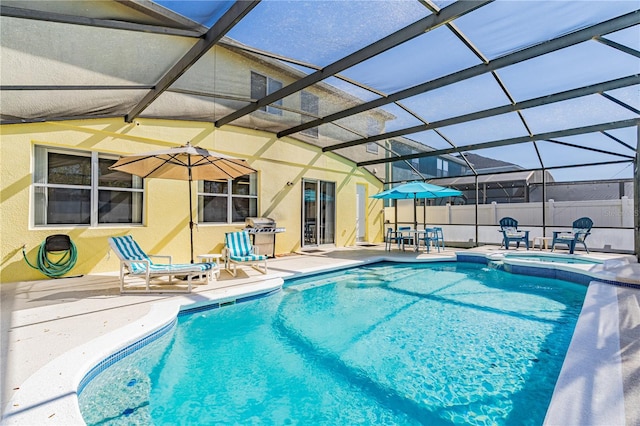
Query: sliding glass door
x=318 y=212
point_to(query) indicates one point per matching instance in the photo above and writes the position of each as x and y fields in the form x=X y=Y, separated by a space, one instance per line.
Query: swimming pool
x=447 y=343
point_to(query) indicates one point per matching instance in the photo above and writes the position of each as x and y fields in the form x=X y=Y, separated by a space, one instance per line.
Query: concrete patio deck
x=42 y=320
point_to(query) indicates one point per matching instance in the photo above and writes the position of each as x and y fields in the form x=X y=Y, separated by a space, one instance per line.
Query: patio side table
x=213 y=258
x=542 y=241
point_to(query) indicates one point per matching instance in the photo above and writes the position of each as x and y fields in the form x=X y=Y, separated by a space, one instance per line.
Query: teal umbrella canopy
x=417 y=190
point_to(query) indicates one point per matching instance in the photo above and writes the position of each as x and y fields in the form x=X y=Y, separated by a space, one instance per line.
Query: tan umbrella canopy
x=185 y=162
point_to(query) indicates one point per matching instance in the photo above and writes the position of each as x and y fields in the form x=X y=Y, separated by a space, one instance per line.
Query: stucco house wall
x=165 y=227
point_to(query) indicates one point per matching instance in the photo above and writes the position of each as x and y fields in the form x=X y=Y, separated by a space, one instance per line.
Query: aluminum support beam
x=409 y=32
x=225 y=24
x=636 y=195
x=491 y=112
x=580 y=36
x=511 y=141
x=16 y=12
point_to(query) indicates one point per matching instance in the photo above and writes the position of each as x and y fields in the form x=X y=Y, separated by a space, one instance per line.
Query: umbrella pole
x=190 y=216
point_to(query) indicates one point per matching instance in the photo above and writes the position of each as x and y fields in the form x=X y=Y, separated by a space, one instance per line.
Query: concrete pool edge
x=59 y=400
x=50 y=395
x=589 y=389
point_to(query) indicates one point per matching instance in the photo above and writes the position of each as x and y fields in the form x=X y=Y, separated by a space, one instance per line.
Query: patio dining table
x=417 y=235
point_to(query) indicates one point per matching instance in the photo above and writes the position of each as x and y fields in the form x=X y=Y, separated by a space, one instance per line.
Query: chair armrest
x=162 y=256
x=129 y=263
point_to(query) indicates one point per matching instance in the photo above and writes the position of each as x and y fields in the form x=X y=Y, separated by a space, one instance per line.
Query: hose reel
x=64 y=256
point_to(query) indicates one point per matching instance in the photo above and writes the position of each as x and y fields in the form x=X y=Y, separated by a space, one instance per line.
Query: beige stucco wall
x=166 y=228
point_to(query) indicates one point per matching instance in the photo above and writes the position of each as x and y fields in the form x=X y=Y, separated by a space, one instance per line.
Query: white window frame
x=41 y=154
x=442 y=167
x=229 y=196
x=272 y=85
x=312 y=132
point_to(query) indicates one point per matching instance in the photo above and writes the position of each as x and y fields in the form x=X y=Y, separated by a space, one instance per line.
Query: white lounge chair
x=135 y=262
x=238 y=250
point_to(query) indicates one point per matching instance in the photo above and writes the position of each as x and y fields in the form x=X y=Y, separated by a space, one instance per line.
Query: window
x=374 y=128
x=77 y=188
x=309 y=103
x=442 y=168
x=262 y=86
x=372 y=147
x=415 y=163
x=228 y=201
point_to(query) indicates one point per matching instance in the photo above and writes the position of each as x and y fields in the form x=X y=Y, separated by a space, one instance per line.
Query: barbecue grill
x=263 y=232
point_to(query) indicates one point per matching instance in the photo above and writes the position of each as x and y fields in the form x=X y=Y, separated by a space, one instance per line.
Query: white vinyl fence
x=613 y=220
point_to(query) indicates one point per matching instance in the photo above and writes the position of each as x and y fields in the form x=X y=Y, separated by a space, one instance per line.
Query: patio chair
x=510 y=232
x=238 y=250
x=581 y=230
x=135 y=262
x=393 y=237
x=405 y=232
x=430 y=236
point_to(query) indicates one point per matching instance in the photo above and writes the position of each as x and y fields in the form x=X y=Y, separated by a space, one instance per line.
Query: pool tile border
x=133 y=347
x=55 y=387
x=565 y=272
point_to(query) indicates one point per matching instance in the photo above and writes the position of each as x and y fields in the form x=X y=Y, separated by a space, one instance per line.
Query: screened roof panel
x=579 y=112
x=441 y=53
x=590 y=173
x=184 y=106
x=43 y=104
x=334 y=98
x=554 y=155
x=598 y=141
x=75 y=55
x=112 y=10
x=324 y=31
x=386 y=119
x=203 y=12
x=309 y=69
x=627 y=37
x=627 y=135
x=627 y=95
x=568 y=68
x=522 y=156
x=429 y=138
x=475 y=94
x=503 y=27
x=503 y=126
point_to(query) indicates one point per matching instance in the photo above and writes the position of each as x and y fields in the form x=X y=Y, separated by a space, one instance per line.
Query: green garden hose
x=54 y=268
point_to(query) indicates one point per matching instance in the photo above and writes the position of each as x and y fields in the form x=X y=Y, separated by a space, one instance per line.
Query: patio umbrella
x=184 y=163
x=414 y=190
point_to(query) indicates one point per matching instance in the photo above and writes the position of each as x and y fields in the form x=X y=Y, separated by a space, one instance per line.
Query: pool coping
x=41 y=401
x=38 y=397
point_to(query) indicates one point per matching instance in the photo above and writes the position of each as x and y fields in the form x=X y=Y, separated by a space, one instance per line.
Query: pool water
x=396 y=344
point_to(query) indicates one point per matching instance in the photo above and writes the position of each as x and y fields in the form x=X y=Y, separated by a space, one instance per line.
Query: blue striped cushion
x=126 y=248
x=238 y=244
x=248 y=258
x=178 y=268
